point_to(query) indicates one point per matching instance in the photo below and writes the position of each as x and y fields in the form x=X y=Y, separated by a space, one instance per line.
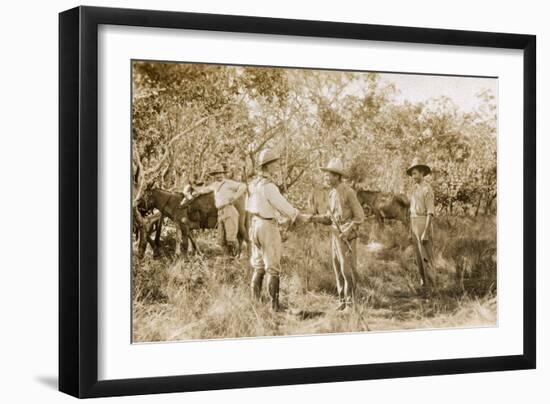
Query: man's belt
x=261 y=217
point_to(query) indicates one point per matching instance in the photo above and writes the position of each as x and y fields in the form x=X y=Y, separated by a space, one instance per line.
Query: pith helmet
x=335 y=165
x=421 y=166
x=267 y=156
x=218 y=169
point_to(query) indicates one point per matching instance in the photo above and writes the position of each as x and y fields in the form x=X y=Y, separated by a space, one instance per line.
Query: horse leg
x=179 y=238
x=380 y=220
x=142 y=246
x=194 y=244
x=152 y=244
x=158 y=230
x=182 y=244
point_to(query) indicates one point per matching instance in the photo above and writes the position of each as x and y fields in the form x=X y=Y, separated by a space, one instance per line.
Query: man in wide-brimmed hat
x=265 y=204
x=226 y=192
x=422 y=210
x=344 y=215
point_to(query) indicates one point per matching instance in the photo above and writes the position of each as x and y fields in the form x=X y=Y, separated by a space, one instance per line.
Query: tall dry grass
x=208 y=297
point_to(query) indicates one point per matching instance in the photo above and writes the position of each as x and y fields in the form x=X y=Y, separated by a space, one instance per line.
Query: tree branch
x=179 y=136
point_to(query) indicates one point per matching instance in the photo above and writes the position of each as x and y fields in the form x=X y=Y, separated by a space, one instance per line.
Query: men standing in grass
x=265 y=203
x=344 y=215
x=226 y=192
x=422 y=211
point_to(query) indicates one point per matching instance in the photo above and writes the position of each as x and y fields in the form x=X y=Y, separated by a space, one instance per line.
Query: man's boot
x=256 y=285
x=273 y=288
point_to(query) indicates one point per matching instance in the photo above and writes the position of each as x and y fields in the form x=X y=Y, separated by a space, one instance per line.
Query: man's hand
x=321 y=219
x=302 y=218
x=346 y=232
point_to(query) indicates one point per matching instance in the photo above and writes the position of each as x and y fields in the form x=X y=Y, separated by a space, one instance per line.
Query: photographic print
x=283 y=201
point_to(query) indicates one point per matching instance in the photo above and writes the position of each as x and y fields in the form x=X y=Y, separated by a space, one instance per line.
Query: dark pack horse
x=197 y=213
x=385 y=205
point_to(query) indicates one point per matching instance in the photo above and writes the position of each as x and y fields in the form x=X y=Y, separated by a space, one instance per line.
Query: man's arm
x=430 y=210
x=358 y=215
x=356 y=208
x=196 y=192
x=203 y=190
x=233 y=186
x=279 y=202
x=322 y=219
x=230 y=191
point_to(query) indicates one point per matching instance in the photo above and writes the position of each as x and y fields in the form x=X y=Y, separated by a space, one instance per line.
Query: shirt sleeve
x=234 y=189
x=233 y=186
x=429 y=199
x=205 y=189
x=279 y=202
x=356 y=208
x=241 y=189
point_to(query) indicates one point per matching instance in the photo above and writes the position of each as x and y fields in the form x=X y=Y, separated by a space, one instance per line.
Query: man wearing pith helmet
x=265 y=203
x=422 y=211
x=344 y=215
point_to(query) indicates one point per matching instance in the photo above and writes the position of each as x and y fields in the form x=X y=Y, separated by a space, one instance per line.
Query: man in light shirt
x=422 y=211
x=226 y=192
x=344 y=215
x=265 y=203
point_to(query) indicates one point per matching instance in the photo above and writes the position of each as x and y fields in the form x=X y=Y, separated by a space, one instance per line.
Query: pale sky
x=462 y=90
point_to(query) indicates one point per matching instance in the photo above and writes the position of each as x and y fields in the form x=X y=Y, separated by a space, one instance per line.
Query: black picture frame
x=78 y=201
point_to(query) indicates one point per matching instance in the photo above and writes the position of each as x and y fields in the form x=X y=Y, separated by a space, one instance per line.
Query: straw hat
x=218 y=169
x=267 y=156
x=336 y=166
x=417 y=164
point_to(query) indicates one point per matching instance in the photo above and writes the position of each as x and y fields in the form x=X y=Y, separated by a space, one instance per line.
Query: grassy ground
x=207 y=296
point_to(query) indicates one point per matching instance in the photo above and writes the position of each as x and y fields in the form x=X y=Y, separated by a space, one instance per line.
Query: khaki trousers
x=266 y=246
x=344 y=263
x=423 y=250
x=228 y=222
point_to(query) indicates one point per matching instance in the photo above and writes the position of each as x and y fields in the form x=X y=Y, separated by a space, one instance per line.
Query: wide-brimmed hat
x=417 y=164
x=267 y=156
x=336 y=166
x=218 y=169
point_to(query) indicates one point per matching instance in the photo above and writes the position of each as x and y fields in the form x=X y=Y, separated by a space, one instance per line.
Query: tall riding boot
x=256 y=285
x=273 y=287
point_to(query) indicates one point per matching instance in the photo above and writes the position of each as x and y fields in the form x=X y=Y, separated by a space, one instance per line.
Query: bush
x=208 y=296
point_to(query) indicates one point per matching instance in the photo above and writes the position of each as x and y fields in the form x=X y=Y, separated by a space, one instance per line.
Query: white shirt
x=265 y=200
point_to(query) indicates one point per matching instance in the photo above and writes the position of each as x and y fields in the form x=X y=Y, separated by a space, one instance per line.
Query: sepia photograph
x=285 y=201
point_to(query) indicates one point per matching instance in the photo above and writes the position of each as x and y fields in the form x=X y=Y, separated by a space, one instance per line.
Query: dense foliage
x=187 y=117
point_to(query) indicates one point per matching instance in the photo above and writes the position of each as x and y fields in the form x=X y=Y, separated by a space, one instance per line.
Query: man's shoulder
x=271 y=187
x=262 y=182
x=231 y=182
x=347 y=189
x=426 y=186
